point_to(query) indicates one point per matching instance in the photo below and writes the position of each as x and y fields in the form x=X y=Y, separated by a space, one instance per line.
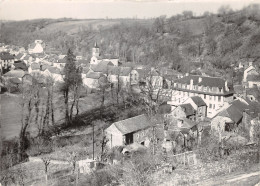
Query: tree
x=187 y=14
x=72 y=83
x=46 y=161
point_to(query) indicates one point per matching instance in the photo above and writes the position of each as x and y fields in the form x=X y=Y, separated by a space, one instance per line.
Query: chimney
x=191 y=84
x=250 y=64
x=200 y=79
x=226 y=86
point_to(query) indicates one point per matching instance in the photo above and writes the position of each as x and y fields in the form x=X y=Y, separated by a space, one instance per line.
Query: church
x=96 y=58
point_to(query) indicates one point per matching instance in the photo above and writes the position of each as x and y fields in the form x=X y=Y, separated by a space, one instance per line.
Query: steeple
x=95 y=50
x=96 y=46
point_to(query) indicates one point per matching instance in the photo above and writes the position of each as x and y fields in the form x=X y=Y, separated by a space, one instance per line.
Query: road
x=243 y=179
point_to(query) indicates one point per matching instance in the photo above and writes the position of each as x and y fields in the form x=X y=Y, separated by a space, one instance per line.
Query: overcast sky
x=17 y=10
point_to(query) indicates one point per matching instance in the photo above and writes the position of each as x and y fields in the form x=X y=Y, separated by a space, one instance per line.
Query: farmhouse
x=128 y=131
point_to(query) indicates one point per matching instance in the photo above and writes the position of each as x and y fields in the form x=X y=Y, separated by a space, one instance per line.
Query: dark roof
x=188 y=109
x=238 y=89
x=198 y=101
x=102 y=66
x=21 y=66
x=205 y=81
x=164 y=108
x=133 y=124
x=254 y=92
x=187 y=123
x=19 y=56
x=233 y=113
x=241 y=106
x=6 y=56
x=95 y=45
x=253 y=78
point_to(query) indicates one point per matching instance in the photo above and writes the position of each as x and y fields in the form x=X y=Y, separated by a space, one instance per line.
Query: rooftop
x=198 y=101
x=133 y=124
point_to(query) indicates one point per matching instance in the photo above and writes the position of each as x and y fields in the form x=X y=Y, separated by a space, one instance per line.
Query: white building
x=36 y=47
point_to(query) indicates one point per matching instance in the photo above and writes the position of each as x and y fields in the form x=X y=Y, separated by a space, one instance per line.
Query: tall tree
x=72 y=83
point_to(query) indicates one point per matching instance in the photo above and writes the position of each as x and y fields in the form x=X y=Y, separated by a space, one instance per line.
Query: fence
x=186 y=158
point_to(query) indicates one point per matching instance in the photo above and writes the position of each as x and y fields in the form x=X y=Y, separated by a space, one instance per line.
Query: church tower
x=95 y=50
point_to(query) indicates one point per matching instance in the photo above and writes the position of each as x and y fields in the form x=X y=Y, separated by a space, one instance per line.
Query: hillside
x=216 y=41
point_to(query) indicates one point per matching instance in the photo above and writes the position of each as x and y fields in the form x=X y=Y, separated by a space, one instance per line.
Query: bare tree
x=46 y=161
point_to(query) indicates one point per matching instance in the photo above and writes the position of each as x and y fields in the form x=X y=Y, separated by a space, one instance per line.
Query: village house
x=253 y=94
x=36 y=47
x=91 y=80
x=6 y=62
x=227 y=120
x=251 y=77
x=132 y=130
x=200 y=107
x=214 y=92
x=185 y=111
x=101 y=67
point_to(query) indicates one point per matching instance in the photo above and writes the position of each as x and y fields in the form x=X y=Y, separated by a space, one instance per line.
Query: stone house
x=132 y=130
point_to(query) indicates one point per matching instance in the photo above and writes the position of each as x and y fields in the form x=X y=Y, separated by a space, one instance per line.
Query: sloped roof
x=19 y=56
x=187 y=123
x=254 y=92
x=93 y=75
x=15 y=73
x=164 y=108
x=35 y=66
x=205 y=81
x=102 y=66
x=26 y=57
x=21 y=66
x=6 y=56
x=54 y=70
x=188 y=109
x=15 y=80
x=133 y=124
x=198 y=101
x=238 y=89
x=125 y=71
x=233 y=113
x=253 y=78
x=241 y=106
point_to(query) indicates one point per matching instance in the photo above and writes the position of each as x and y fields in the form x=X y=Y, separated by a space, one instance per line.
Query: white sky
x=28 y=9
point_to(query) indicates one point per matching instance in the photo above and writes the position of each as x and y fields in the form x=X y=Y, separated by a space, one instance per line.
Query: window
x=205 y=96
x=213 y=106
x=219 y=98
x=180 y=93
x=215 y=97
x=210 y=105
x=209 y=97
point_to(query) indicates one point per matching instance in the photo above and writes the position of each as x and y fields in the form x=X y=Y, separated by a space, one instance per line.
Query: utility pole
x=93 y=140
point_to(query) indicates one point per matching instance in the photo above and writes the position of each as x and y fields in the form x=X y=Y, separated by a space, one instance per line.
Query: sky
x=89 y=9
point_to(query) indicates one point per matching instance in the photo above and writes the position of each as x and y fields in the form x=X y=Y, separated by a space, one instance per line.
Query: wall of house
x=178 y=112
x=92 y=83
x=251 y=84
x=214 y=103
x=142 y=136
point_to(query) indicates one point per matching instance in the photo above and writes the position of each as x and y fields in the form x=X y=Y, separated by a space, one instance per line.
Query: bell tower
x=95 y=50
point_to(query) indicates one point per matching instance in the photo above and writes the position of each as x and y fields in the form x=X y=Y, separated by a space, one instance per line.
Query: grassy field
x=11 y=113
